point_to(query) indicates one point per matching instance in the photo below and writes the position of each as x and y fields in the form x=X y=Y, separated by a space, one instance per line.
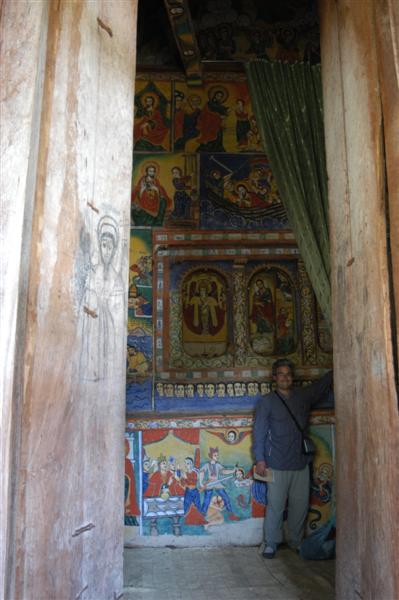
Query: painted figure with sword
x=211 y=477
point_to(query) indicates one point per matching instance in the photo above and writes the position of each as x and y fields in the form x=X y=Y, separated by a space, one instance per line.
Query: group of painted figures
x=205 y=498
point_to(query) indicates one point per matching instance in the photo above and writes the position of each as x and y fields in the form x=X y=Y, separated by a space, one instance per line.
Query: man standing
x=278 y=446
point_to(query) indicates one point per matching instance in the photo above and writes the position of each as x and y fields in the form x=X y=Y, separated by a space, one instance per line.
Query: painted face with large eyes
x=107 y=248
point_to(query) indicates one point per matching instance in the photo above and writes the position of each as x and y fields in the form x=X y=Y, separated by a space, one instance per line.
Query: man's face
x=215 y=456
x=237 y=388
x=251 y=389
x=151 y=171
x=160 y=389
x=180 y=390
x=189 y=464
x=230 y=389
x=200 y=390
x=190 y=390
x=283 y=378
x=231 y=436
x=163 y=465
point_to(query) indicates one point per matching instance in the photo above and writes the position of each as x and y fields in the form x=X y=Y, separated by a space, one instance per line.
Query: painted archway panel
x=204 y=323
x=272 y=313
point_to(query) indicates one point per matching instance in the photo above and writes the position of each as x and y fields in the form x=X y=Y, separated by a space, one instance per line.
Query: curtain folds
x=287 y=102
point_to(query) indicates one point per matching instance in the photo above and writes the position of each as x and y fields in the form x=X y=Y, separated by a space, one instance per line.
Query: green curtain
x=287 y=102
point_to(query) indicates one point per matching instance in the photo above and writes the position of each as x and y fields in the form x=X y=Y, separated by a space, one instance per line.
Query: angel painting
x=204 y=314
x=231 y=436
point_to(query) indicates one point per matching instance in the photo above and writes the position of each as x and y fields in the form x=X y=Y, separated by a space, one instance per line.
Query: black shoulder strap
x=290 y=412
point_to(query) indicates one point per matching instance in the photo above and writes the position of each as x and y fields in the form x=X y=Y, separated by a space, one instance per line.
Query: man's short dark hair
x=282 y=362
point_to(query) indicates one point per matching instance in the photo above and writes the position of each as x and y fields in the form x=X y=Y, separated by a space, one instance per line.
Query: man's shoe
x=269 y=552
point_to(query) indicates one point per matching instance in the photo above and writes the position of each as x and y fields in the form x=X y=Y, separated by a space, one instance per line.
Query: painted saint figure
x=103 y=300
x=211 y=121
x=150 y=200
x=181 y=199
x=243 y=125
x=137 y=363
x=205 y=310
x=262 y=314
x=150 y=128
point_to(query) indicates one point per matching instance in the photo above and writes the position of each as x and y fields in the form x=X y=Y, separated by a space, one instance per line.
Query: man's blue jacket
x=276 y=438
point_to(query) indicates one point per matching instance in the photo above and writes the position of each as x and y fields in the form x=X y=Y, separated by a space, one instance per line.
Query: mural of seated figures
x=204 y=324
x=272 y=313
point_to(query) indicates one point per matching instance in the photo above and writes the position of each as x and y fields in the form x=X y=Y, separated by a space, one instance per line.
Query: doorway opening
x=210 y=242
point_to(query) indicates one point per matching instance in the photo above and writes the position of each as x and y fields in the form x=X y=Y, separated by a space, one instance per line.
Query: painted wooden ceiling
x=192 y=35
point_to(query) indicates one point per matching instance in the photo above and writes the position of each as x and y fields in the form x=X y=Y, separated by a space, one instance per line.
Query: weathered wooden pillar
x=67 y=73
x=363 y=302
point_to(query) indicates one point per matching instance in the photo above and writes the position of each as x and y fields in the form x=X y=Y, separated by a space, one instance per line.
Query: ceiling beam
x=183 y=30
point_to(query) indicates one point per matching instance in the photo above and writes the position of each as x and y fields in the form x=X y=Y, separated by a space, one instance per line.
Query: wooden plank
x=387 y=27
x=23 y=46
x=366 y=400
x=69 y=535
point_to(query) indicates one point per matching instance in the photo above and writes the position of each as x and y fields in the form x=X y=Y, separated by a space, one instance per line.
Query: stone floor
x=229 y=573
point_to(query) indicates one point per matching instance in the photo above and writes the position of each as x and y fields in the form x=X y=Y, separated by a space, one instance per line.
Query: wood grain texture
x=69 y=534
x=23 y=48
x=364 y=381
x=387 y=35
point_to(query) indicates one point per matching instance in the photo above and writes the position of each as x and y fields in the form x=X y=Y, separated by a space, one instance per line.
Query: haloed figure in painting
x=150 y=200
x=103 y=300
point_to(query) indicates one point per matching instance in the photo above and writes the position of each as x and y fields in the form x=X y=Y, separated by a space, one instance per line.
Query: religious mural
x=324 y=337
x=204 y=323
x=234 y=30
x=139 y=354
x=152 y=120
x=272 y=312
x=140 y=282
x=217 y=291
x=228 y=313
x=200 y=301
x=191 y=480
x=217 y=117
x=217 y=176
x=322 y=476
x=165 y=190
x=239 y=192
x=208 y=396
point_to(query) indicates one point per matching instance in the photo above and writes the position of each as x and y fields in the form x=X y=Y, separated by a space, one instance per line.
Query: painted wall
x=168 y=495
x=217 y=292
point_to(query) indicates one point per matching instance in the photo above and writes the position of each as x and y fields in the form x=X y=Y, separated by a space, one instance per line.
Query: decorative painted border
x=179 y=237
x=145 y=75
x=215 y=421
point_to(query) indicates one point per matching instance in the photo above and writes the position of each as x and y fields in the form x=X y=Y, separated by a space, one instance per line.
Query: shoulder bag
x=308 y=446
